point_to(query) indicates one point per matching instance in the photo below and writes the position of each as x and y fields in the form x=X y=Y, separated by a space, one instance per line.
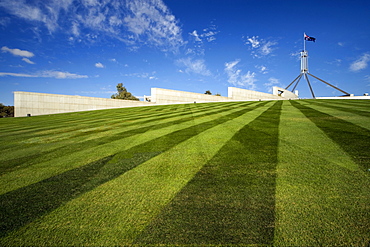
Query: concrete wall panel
x=42 y=104
x=167 y=96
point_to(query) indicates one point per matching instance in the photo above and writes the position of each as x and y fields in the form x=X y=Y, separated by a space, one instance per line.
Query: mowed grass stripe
x=363 y=105
x=352 y=138
x=350 y=115
x=67 y=132
x=45 y=130
x=42 y=126
x=37 y=172
x=231 y=200
x=53 y=134
x=22 y=206
x=355 y=109
x=136 y=196
x=322 y=195
x=34 y=155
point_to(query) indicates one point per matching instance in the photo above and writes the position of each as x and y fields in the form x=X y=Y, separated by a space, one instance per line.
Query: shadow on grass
x=26 y=161
x=340 y=108
x=352 y=138
x=231 y=200
x=24 y=205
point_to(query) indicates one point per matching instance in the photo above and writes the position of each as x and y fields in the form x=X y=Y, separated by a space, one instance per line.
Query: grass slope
x=238 y=173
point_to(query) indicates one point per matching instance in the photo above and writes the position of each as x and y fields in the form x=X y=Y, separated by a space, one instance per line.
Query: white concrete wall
x=284 y=93
x=244 y=94
x=42 y=103
x=165 y=96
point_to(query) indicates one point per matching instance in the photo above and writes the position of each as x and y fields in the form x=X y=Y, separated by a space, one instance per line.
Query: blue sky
x=87 y=47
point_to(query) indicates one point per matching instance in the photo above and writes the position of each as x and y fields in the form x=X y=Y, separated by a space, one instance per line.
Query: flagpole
x=304 y=42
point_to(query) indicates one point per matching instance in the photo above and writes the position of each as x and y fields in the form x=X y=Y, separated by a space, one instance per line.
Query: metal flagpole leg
x=309 y=84
x=300 y=75
x=329 y=84
x=297 y=83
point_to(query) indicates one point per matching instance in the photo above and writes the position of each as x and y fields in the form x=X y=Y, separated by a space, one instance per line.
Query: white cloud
x=253 y=41
x=150 y=76
x=27 y=60
x=194 y=66
x=99 y=65
x=360 y=63
x=236 y=77
x=260 y=46
x=16 y=74
x=61 y=75
x=200 y=38
x=17 y=52
x=196 y=36
x=46 y=13
x=135 y=22
x=263 y=69
x=271 y=82
x=152 y=21
x=266 y=48
x=47 y=73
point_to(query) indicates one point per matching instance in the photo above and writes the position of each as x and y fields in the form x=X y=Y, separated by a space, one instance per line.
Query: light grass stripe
x=114 y=213
x=354 y=118
x=354 y=106
x=59 y=139
x=40 y=171
x=363 y=105
x=322 y=196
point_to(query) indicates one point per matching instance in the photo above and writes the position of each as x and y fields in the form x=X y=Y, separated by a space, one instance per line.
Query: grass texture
x=270 y=173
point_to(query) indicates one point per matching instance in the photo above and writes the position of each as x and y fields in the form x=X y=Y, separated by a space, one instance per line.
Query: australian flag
x=308 y=38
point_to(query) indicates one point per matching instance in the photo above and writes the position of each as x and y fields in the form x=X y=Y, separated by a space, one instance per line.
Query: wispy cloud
x=260 y=47
x=27 y=60
x=135 y=22
x=99 y=65
x=237 y=78
x=153 y=22
x=17 y=52
x=253 y=41
x=263 y=69
x=196 y=66
x=150 y=76
x=48 y=74
x=271 y=82
x=360 y=63
x=199 y=38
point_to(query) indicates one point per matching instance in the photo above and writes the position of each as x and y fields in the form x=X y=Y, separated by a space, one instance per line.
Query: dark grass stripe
x=363 y=104
x=38 y=123
x=231 y=201
x=355 y=109
x=26 y=161
x=41 y=123
x=352 y=138
x=24 y=205
x=122 y=119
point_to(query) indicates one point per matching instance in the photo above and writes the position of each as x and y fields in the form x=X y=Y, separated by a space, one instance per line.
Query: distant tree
x=6 y=111
x=208 y=92
x=217 y=94
x=123 y=94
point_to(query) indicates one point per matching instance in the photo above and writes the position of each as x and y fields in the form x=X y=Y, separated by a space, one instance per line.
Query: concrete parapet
x=282 y=92
x=245 y=94
x=164 y=96
x=41 y=103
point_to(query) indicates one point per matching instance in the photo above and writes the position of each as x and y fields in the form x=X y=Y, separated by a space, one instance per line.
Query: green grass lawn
x=269 y=173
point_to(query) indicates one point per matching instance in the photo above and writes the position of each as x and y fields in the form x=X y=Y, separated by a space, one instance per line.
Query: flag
x=308 y=38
